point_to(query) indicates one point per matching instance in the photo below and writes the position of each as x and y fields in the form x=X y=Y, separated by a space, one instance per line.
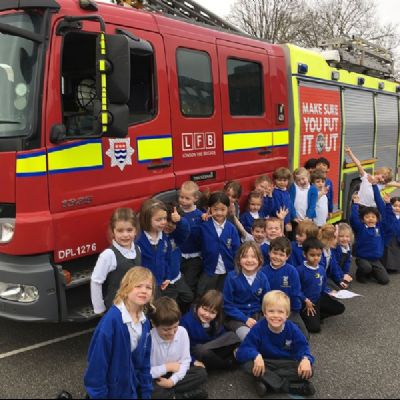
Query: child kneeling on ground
x=276 y=352
x=173 y=376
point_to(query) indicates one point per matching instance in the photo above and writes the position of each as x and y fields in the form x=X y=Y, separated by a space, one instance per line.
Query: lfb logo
x=198 y=141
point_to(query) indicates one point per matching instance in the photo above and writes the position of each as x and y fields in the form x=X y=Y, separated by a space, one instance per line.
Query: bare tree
x=274 y=20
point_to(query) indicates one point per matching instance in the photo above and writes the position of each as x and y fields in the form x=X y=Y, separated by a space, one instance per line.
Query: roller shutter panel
x=387 y=131
x=359 y=122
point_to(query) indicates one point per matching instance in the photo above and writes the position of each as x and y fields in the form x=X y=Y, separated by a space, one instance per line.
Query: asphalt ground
x=357 y=354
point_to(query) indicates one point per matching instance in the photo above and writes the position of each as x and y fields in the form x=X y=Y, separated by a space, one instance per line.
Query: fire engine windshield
x=18 y=68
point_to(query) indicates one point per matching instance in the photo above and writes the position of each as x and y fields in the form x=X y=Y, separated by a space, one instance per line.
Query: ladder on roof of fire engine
x=359 y=55
x=186 y=9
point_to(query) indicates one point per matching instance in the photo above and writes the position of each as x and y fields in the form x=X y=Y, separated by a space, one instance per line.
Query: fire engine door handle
x=265 y=152
x=159 y=166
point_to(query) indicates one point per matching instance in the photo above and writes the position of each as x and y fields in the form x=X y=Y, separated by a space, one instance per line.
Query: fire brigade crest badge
x=120 y=152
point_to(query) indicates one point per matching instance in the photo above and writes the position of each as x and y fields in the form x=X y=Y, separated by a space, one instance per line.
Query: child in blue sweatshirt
x=177 y=230
x=244 y=290
x=219 y=241
x=284 y=277
x=254 y=210
x=369 y=244
x=119 y=358
x=342 y=252
x=264 y=185
x=391 y=259
x=210 y=345
x=276 y=352
x=318 y=304
x=304 y=230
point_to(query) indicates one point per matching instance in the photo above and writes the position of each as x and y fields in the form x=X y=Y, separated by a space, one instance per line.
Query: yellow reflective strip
x=281 y=138
x=247 y=141
x=31 y=165
x=103 y=43
x=154 y=149
x=84 y=156
x=102 y=65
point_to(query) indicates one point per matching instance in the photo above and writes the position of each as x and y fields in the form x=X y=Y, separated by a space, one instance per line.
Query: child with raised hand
x=254 y=210
x=154 y=242
x=244 y=290
x=324 y=165
x=369 y=243
x=304 y=230
x=318 y=304
x=281 y=195
x=173 y=377
x=192 y=264
x=114 y=262
x=219 y=241
x=273 y=229
x=343 y=251
x=318 y=179
x=328 y=237
x=210 y=345
x=276 y=352
x=177 y=231
x=233 y=190
x=391 y=259
x=304 y=196
x=265 y=185
x=283 y=276
x=119 y=354
x=383 y=176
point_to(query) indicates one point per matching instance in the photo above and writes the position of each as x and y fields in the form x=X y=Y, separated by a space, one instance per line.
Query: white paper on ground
x=345 y=294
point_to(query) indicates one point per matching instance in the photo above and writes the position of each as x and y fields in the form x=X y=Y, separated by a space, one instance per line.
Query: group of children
x=224 y=289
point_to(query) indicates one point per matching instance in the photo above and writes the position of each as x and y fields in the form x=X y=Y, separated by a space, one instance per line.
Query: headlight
x=7 y=227
x=18 y=293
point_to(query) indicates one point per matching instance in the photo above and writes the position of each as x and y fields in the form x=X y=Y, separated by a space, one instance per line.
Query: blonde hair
x=301 y=172
x=386 y=172
x=276 y=297
x=307 y=228
x=346 y=227
x=192 y=187
x=132 y=278
x=326 y=234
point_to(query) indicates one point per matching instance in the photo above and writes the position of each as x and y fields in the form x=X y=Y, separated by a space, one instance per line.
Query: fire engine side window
x=245 y=88
x=79 y=83
x=195 y=83
x=142 y=104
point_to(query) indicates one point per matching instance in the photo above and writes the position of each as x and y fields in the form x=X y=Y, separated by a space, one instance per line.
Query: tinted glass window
x=195 y=83
x=246 y=91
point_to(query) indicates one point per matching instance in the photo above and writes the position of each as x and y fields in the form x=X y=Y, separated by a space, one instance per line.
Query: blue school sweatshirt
x=282 y=199
x=191 y=246
x=176 y=239
x=197 y=333
x=287 y=280
x=290 y=344
x=333 y=270
x=297 y=255
x=392 y=225
x=329 y=195
x=313 y=282
x=369 y=243
x=265 y=252
x=312 y=199
x=114 y=372
x=157 y=260
x=242 y=301
x=247 y=219
x=344 y=258
x=268 y=206
x=212 y=246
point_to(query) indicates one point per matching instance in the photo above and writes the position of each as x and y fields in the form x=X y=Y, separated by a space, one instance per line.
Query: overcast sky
x=389 y=9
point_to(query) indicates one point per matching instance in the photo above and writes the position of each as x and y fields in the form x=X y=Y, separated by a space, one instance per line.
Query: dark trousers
x=371 y=269
x=192 y=269
x=325 y=307
x=206 y=283
x=215 y=359
x=295 y=317
x=194 y=378
x=279 y=374
x=180 y=291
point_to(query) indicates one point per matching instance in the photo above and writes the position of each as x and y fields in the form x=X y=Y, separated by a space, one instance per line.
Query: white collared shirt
x=221 y=269
x=250 y=278
x=345 y=249
x=151 y=240
x=106 y=263
x=135 y=329
x=176 y=351
x=328 y=256
x=255 y=215
x=301 y=201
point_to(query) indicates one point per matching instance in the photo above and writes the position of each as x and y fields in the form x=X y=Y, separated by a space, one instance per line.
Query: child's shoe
x=303 y=388
x=261 y=389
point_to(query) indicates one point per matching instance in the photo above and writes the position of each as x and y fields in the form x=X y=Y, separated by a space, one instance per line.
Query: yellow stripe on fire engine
x=242 y=141
x=86 y=155
x=33 y=164
x=154 y=148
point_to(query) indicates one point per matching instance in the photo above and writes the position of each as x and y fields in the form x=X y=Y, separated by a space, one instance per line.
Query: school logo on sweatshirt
x=229 y=243
x=285 y=282
x=120 y=152
x=288 y=344
x=259 y=292
x=173 y=245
